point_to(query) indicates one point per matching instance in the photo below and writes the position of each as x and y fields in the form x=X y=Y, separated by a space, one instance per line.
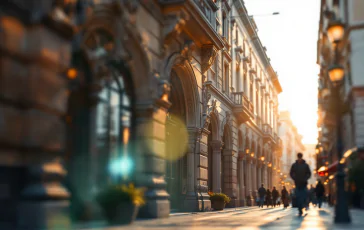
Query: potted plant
x=120 y=204
x=218 y=200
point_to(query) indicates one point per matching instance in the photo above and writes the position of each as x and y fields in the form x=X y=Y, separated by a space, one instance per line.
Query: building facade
x=351 y=90
x=310 y=156
x=109 y=83
x=292 y=144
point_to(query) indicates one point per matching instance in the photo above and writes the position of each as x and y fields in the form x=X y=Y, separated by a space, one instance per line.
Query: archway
x=176 y=166
x=214 y=148
x=240 y=170
x=100 y=119
x=226 y=138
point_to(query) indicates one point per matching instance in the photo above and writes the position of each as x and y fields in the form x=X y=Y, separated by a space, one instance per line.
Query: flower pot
x=123 y=214
x=217 y=205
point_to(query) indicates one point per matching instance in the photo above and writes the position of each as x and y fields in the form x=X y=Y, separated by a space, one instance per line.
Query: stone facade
x=124 y=79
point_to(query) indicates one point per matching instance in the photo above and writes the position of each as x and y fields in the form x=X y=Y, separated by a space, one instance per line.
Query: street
x=248 y=219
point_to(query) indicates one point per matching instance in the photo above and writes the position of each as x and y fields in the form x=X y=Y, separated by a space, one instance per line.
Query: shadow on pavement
x=323 y=213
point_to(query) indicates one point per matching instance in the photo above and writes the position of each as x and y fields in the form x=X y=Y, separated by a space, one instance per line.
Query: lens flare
x=121 y=166
x=176 y=139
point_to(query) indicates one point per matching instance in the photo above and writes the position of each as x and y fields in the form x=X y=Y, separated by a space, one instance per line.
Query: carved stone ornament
x=214 y=107
x=208 y=55
x=228 y=118
x=164 y=88
x=188 y=49
x=173 y=24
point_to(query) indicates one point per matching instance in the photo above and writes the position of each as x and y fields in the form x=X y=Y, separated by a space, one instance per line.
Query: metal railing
x=208 y=8
x=241 y=99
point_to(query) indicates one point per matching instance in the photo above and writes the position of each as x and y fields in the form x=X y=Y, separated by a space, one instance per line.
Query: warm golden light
x=247 y=151
x=71 y=73
x=335 y=31
x=331 y=177
x=336 y=73
x=262 y=158
x=317 y=151
x=252 y=154
x=126 y=135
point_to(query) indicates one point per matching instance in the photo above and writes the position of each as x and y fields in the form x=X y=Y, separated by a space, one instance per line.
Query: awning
x=333 y=167
x=323 y=171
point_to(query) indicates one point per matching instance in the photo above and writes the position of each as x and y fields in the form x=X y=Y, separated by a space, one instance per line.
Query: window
x=251 y=91
x=238 y=80
x=257 y=102
x=245 y=87
x=237 y=35
x=113 y=119
x=224 y=26
x=225 y=83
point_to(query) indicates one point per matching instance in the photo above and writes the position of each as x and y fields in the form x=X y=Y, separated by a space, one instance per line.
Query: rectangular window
x=224 y=26
x=226 y=79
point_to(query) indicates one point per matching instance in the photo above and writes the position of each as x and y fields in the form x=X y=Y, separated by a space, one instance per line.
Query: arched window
x=113 y=113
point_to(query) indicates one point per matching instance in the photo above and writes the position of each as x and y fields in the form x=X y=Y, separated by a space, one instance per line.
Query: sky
x=290 y=39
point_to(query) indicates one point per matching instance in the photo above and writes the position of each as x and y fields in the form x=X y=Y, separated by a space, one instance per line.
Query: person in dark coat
x=261 y=192
x=284 y=196
x=320 y=193
x=275 y=195
x=269 y=197
x=300 y=173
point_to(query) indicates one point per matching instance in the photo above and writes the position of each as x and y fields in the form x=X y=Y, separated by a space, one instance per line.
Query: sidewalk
x=247 y=218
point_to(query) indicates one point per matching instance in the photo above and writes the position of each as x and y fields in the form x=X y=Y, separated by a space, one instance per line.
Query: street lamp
x=336 y=73
x=335 y=32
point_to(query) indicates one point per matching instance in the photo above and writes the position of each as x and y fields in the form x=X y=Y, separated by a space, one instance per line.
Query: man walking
x=320 y=192
x=261 y=193
x=300 y=173
x=275 y=195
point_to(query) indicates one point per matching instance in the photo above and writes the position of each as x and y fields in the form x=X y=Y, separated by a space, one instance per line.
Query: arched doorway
x=224 y=170
x=240 y=171
x=176 y=141
x=101 y=122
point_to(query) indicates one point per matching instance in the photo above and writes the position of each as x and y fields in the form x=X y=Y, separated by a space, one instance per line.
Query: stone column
x=33 y=91
x=230 y=176
x=191 y=199
x=241 y=182
x=201 y=170
x=216 y=152
x=150 y=158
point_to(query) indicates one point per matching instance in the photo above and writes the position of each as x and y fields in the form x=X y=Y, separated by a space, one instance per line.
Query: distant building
x=310 y=157
x=292 y=144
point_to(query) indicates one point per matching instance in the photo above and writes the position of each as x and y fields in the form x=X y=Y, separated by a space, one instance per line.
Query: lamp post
x=335 y=31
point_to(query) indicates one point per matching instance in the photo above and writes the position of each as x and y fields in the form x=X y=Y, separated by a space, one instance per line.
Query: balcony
x=243 y=108
x=268 y=135
x=199 y=17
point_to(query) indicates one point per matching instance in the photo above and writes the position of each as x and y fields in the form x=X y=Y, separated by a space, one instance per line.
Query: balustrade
x=208 y=9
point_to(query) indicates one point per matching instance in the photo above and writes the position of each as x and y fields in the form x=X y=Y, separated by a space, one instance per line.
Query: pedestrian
x=261 y=192
x=275 y=195
x=300 y=173
x=284 y=196
x=320 y=192
x=268 y=197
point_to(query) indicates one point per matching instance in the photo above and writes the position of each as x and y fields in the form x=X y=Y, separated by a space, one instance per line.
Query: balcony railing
x=243 y=107
x=208 y=8
x=240 y=99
